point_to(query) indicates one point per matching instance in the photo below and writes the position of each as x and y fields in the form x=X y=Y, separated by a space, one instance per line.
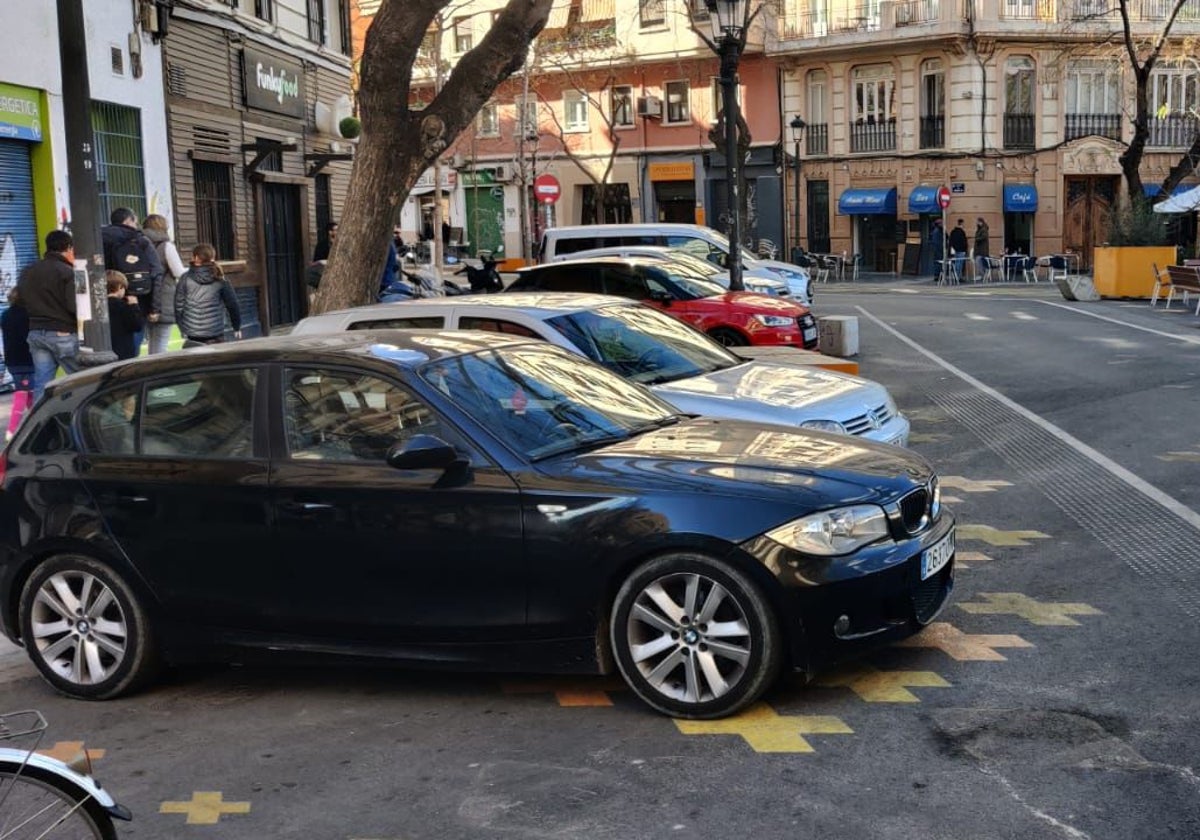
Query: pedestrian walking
x=47 y=290
x=127 y=250
x=937 y=244
x=161 y=317
x=982 y=249
x=958 y=248
x=202 y=299
x=15 y=326
x=125 y=317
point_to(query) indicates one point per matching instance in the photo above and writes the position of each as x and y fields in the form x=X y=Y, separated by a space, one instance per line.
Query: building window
x=816 y=135
x=718 y=103
x=462 y=34
x=214 y=206
x=488 y=124
x=618 y=209
x=678 y=110
x=265 y=10
x=575 y=110
x=652 y=12
x=323 y=199
x=273 y=161
x=527 y=117
x=344 y=30
x=622 y=107
x=120 y=176
x=1018 y=103
x=316 y=21
x=933 y=104
x=873 y=128
x=1174 y=101
x=1092 y=95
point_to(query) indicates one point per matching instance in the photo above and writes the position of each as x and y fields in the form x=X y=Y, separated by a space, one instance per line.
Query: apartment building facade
x=1013 y=104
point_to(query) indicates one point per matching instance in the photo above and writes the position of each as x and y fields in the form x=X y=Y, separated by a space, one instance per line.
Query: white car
x=678 y=362
x=755 y=279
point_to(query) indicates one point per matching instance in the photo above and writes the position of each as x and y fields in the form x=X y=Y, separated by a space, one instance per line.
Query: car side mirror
x=422 y=452
x=661 y=297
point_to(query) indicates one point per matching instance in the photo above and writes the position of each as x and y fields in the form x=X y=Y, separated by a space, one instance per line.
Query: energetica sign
x=273 y=83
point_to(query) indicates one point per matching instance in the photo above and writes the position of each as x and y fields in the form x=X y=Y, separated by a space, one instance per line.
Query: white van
x=696 y=239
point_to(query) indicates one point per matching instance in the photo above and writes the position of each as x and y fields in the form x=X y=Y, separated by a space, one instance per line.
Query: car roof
x=538 y=304
x=396 y=348
x=614 y=260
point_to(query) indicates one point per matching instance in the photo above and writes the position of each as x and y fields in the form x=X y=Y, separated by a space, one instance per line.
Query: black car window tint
x=109 y=422
x=571 y=246
x=338 y=416
x=624 y=283
x=204 y=415
x=431 y=322
x=49 y=436
x=498 y=325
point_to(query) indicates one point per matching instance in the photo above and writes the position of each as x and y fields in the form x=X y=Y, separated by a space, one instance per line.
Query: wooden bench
x=1185 y=279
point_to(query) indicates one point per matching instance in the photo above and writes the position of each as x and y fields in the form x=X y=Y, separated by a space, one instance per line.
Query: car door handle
x=305 y=507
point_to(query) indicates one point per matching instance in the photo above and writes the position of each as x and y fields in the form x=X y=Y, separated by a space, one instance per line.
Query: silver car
x=676 y=361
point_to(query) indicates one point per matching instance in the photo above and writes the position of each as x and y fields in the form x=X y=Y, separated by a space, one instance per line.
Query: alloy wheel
x=78 y=627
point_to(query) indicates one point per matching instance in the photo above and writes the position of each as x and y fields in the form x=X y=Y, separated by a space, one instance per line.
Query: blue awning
x=879 y=202
x=923 y=200
x=1020 y=198
x=1155 y=190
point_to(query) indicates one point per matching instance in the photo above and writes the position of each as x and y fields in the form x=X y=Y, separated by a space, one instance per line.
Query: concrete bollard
x=837 y=335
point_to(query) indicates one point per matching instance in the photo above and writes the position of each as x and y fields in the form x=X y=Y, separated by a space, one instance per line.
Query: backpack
x=131 y=262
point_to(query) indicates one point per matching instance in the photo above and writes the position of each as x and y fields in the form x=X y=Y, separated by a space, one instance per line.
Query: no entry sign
x=547 y=189
x=943 y=196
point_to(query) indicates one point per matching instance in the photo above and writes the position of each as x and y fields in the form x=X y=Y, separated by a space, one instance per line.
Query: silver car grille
x=874 y=418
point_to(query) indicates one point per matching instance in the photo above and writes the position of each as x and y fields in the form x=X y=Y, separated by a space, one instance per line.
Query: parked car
x=755 y=280
x=700 y=240
x=676 y=361
x=732 y=318
x=459 y=498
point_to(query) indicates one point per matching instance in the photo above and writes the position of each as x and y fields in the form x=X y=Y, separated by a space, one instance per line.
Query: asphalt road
x=1055 y=698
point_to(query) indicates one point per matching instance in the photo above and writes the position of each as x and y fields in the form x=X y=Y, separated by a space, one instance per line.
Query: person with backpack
x=202 y=299
x=162 y=299
x=127 y=250
x=15 y=326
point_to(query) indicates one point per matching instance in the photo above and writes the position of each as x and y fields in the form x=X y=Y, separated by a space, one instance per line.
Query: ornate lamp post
x=797 y=126
x=728 y=19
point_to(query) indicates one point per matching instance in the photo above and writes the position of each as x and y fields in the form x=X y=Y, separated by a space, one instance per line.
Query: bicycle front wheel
x=37 y=805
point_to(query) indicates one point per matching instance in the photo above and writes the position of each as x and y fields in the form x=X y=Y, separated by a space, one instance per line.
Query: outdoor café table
x=1012 y=264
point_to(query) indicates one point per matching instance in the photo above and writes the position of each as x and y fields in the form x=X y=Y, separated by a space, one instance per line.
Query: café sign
x=273 y=83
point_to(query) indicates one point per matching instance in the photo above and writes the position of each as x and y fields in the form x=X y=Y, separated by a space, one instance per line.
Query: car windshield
x=542 y=401
x=643 y=344
x=689 y=286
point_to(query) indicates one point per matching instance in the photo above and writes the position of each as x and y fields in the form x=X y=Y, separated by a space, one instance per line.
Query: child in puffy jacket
x=202 y=298
x=125 y=318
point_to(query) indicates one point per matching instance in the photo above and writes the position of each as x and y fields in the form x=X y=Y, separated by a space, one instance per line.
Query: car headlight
x=775 y=320
x=824 y=426
x=833 y=532
x=762 y=290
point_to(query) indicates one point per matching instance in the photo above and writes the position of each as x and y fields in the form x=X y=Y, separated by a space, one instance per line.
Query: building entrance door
x=676 y=201
x=284 y=257
x=1088 y=210
x=818 y=217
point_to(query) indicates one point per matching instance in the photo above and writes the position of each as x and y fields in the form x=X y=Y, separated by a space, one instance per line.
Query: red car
x=732 y=318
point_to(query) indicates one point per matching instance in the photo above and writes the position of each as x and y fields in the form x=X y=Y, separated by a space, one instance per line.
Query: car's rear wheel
x=728 y=337
x=694 y=637
x=84 y=628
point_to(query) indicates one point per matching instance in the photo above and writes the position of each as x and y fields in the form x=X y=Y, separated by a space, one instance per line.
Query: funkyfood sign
x=272 y=83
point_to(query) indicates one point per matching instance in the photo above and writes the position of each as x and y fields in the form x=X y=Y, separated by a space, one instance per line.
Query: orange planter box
x=1128 y=272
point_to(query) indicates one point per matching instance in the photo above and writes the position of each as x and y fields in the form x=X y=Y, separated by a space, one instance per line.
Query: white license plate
x=937 y=556
x=810 y=334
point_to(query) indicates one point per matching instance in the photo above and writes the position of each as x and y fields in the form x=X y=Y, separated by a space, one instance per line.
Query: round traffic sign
x=547 y=189
x=943 y=196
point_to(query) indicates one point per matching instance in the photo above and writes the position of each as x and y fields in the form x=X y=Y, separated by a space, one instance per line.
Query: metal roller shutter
x=18 y=225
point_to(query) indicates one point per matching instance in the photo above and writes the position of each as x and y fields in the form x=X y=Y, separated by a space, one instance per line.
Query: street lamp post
x=728 y=18
x=797 y=125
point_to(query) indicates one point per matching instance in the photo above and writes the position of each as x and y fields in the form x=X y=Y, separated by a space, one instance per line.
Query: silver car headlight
x=775 y=320
x=824 y=426
x=833 y=532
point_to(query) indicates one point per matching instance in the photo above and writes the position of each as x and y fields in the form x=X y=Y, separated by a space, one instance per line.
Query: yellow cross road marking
x=926 y=437
x=970 y=559
x=967 y=485
x=68 y=750
x=765 y=730
x=994 y=536
x=876 y=686
x=1047 y=613
x=569 y=692
x=963 y=647
x=205 y=808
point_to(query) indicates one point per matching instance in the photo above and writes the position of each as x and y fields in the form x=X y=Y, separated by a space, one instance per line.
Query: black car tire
x=742 y=601
x=139 y=659
x=727 y=337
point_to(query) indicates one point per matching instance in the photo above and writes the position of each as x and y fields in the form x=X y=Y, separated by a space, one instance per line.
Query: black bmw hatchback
x=459 y=499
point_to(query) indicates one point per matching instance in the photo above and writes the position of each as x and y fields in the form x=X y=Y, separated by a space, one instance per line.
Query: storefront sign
x=272 y=83
x=20 y=113
x=958 y=188
x=425 y=182
x=684 y=171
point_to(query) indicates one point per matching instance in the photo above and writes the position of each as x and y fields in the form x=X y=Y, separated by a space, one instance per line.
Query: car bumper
x=801 y=335
x=895 y=431
x=837 y=608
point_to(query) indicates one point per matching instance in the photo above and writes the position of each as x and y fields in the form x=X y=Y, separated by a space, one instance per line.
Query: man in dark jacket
x=129 y=251
x=937 y=244
x=47 y=289
x=958 y=244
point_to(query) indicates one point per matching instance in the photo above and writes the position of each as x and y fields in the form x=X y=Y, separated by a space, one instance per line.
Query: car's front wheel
x=694 y=637
x=728 y=337
x=84 y=628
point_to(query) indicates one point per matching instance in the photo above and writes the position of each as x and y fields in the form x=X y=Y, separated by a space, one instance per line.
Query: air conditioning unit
x=503 y=174
x=649 y=106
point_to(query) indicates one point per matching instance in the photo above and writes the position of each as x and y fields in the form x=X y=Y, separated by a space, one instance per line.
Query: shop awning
x=1020 y=198
x=864 y=202
x=1187 y=201
x=1155 y=190
x=923 y=200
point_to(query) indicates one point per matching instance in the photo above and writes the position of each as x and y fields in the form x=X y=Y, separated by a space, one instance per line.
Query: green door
x=485 y=215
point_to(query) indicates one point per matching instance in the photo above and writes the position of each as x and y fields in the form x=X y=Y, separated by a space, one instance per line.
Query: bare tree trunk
x=1131 y=158
x=398 y=144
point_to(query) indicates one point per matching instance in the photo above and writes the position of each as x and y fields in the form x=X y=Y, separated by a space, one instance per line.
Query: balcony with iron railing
x=933 y=132
x=816 y=139
x=1088 y=125
x=1018 y=131
x=807 y=19
x=1176 y=131
x=873 y=136
x=1101 y=11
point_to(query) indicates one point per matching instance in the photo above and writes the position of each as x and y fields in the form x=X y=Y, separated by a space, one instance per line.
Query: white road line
x=1024 y=316
x=975 y=317
x=1190 y=339
x=1139 y=484
x=905 y=291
